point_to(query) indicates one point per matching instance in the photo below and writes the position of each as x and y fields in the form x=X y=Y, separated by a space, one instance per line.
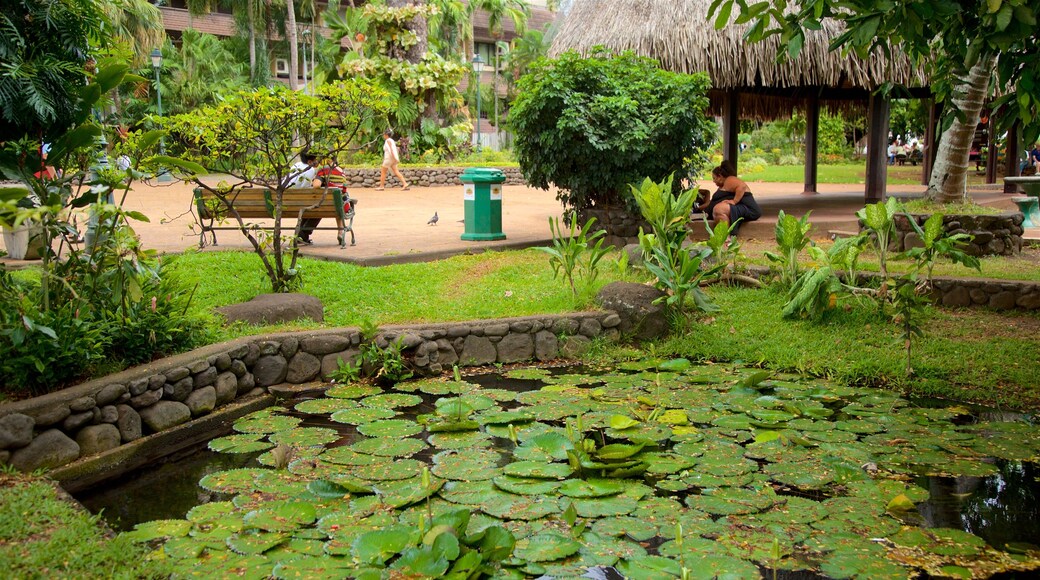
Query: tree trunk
x=251 y=11
x=950 y=174
x=417 y=25
x=294 y=50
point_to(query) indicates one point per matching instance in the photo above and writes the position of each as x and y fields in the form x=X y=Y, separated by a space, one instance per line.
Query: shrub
x=789 y=160
x=754 y=165
x=592 y=125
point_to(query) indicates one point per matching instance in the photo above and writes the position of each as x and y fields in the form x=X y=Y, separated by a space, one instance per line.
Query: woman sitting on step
x=732 y=202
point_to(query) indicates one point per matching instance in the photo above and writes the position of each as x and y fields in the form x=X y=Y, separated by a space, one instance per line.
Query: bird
x=433 y=221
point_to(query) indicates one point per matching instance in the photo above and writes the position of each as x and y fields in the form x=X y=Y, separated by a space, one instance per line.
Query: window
x=281 y=67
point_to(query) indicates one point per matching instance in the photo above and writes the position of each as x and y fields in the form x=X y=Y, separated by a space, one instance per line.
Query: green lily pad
x=391 y=470
x=406 y=492
x=157 y=529
x=732 y=500
x=210 y=512
x=537 y=469
x=251 y=542
x=605 y=506
x=524 y=486
x=312 y=567
x=545 y=447
x=281 y=517
x=336 y=490
x=240 y=443
x=231 y=481
x=592 y=488
x=463 y=440
x=305 y=436
x=390 y=428
x=802 y=475
x=504 y=417
x=650 y=568
x=324 y=406
x=265 y=422
x=473 y=465
x=941 y=541
x=352 y=391
x=546 y=547
x=362 y=415
x=391 y=401
x=509 y=506
x=443 y=387
x=389 y=446
x=635 y=528
x=532 y=374
x=379 y=546
x=348 y=456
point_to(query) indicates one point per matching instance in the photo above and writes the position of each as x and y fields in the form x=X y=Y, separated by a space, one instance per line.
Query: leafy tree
x=199 y=71
x=592 y=125
x=961 y=44
x=44 y=48
x=254 y=138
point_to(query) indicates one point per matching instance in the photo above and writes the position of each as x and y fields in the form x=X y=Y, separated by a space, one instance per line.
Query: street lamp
x=478 y=67
x=156 y=56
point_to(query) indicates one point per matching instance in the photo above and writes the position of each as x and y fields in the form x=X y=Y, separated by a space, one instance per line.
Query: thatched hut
x=747 y=79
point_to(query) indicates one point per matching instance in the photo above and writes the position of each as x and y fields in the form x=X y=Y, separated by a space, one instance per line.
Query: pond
x=643 y=470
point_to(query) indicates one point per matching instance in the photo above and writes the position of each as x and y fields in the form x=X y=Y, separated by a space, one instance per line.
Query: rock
x=515 y=348
x=165 y=414
x=222 y=361
x=565 y=326
x=270 y=347
x=275 y=308
x=178 y=391
x=109 y=394
x=912 y=240
x=82 y=404
x=238 y=368
x=246 y=383
x=290 y=346
x=477 y=350
x=635 y=254
x=198 y=367
x=978 y=296
x=97 y=439
x=610 y=321
x=138 y=386
x=252 y=354
x=77 y=420
x=129 y=423
x=1030 y=301
x=174 y=375
x=201 y=401
x=590 y=327
x=205 y=378
x=546 y=346
x=52 y=448
x=302 y=368
x=1002 y=300
x=226 y=387
x=633 y=303
x=156 y=382
x=53 y=415
x=958 y=297
x=496 y=330
x=323 y=345
x=446 y=355
x=16 y=430
x=146 y=400
x=331 y=361
x=522 y=326
x=270 y=370
x=109 y=414
x=574 y=346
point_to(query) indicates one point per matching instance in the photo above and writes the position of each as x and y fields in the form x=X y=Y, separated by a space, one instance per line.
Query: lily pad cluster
x=659 y=469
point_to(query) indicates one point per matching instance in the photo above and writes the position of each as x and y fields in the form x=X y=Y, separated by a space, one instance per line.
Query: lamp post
x=478 y=67
x=156 y=56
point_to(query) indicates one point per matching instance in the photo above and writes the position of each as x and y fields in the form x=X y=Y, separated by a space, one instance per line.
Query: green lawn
x=844 y=173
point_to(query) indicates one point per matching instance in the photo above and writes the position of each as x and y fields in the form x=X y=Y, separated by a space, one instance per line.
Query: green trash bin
x=482 y=197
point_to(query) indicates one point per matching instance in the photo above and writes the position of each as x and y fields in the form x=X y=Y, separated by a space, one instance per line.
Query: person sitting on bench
x=732 y=201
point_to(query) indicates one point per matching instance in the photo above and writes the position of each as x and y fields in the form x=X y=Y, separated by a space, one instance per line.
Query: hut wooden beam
x=1011 y=168
x=812 y=132
x=877 y=148
x=991 y=150
x=731 y=127
x=930 y=141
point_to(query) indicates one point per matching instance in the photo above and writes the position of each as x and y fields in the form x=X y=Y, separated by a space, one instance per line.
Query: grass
x=845 y=173
x=44 y=536
x=977 y=356
x=486 y=285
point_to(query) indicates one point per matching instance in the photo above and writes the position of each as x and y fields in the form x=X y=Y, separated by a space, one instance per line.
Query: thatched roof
x=679 y=35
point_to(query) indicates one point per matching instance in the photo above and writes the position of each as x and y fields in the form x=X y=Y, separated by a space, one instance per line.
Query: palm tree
x=138 y=23
x=499 y=10
x=294 y=50
x=451 y=28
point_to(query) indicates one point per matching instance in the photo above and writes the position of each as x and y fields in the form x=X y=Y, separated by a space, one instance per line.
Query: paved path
x=391 y=225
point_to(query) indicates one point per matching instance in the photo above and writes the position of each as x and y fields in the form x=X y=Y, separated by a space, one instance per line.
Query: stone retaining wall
x=424 y=176
x=995 y=235
x=621 y=226
x=59 y=428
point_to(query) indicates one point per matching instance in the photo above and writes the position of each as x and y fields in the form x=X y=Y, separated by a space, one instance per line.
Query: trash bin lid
x=482 y=175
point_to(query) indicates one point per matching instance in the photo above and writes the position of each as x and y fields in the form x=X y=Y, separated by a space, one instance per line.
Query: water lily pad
x=504 y=417
x=391 y=401
x=538 y=469
x=940 y=541
x=390 y=428
x=733 y=500
x=324 y=406
x=408 y=491
x=667 y=463
x=305 y=436
x=509 y=506
x=265 y=422
x=231 y=481
x=281 y=516
x=352 y=391
x=443 y=387
x=605 y=506
x=649 y=568
x=240 y=443
x=803 y=475
x=546 y=547
x=252 y=542
x=473 y=465
x=859 y=426
x=157 y=529
x=390 y=470
x=592 y=488
x=312 y=567
x=389 y=446
x=210 y=512
x=531 y=374
x=525 y=486
x=348 y=456
x=544 y=447
x=379 y=546
x=635 y=528
x=337 y=490
x=362 y=415
x=464 y=440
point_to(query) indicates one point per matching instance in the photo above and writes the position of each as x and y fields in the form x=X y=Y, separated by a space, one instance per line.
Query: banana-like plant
x=792 y=236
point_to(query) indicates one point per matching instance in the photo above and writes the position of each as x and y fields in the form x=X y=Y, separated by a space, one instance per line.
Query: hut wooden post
x=991 y=150
x=1011 y=166
x=877 y=148
x=930 y=142
x=731 y=127
x=812 y=131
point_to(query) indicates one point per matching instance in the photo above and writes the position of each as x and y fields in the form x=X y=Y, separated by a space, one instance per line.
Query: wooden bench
x=256 y=202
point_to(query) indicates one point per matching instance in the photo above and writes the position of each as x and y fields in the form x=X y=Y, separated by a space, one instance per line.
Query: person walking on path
x=391 y=158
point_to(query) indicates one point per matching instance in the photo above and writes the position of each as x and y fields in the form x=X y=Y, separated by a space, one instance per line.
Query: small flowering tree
x=254 y=137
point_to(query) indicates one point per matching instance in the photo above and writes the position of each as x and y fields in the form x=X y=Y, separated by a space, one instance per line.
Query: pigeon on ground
x=433 y=221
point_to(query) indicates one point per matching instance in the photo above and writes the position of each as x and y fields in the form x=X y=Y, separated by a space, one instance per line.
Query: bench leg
x=350 y=228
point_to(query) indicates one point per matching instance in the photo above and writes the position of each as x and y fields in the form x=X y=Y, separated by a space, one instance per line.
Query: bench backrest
x=258 y=202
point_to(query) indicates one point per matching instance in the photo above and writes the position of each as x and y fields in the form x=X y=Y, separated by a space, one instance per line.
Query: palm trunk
x=251 y=11
x=294 y=50
x=950 y=173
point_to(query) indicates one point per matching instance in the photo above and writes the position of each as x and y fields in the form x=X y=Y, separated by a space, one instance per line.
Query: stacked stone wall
x=424 y=176
x=621 y=226
x=994 y=235
x=95 y=417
